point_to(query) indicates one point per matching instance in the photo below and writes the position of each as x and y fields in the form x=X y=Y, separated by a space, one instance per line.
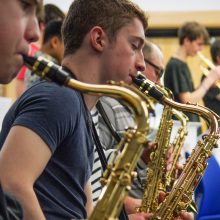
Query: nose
x=140 y=64
x=32 y=32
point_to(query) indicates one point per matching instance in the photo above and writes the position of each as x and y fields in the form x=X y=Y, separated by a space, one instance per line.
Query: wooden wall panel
x=210 y=19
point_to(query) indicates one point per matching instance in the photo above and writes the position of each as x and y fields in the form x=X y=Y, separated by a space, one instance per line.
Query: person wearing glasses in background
x=120 y=119
x=177 y=77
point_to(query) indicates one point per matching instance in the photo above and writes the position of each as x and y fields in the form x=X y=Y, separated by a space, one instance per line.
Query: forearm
x=193 y=97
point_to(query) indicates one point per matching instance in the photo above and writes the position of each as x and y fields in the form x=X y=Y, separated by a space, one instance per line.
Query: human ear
x=54 y=41
x=97 y=38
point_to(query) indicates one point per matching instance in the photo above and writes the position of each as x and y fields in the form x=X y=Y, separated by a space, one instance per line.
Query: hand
x=169 y=158
x=215 y=73
x=185 y=216
x=213 y=76
x=147 y=151
x=131 y=204
x=140 y=216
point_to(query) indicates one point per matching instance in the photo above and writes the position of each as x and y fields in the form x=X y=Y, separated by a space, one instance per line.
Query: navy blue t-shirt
x=58 y=115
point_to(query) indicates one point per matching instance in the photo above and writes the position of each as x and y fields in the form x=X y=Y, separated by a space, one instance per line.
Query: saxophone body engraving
x=157 y=166
x=177 y=146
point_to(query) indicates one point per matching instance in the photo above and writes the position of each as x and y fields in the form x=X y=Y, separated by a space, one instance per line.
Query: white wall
x=159 y=5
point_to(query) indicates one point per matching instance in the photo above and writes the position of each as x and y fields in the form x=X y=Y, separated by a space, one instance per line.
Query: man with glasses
x=153 y=58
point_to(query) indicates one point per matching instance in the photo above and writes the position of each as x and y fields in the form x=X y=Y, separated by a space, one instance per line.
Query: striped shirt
x=97 y=166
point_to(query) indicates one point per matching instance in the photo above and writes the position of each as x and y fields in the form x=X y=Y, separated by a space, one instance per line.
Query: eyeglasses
x=159 y=71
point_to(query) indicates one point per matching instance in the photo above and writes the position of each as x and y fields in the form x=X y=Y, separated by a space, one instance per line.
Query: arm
x=89 y=204
x=22 y=159
x=199 y=93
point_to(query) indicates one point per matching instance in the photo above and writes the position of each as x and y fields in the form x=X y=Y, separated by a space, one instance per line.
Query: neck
x=84 y=74
x=181 y=54
x=90 y=101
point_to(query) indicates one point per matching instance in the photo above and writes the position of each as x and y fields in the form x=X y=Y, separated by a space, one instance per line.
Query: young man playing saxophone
x=45 y=141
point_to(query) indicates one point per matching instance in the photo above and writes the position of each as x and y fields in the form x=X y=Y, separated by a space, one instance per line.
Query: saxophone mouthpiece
x=147 y=87
x=46 y=69
x=29 y=60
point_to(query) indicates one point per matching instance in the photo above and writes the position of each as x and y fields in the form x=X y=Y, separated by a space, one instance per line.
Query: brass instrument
x=157 y=166
x=158 y=178
x=177 y=146
x=209 y=64
x=180 y=196
x=119 y=174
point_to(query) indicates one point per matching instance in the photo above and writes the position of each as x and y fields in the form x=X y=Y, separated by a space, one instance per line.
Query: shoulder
x=108 y=101
x=174 y=62
x=175 y=66
x=50 y=95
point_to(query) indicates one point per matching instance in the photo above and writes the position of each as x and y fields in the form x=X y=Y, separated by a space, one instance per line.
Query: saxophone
x=158 y=178
x=177 y=146
x=180 y=196
x=119 y=174
x=157 y=166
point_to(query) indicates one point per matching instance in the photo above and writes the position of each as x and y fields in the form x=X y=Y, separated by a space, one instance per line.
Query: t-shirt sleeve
x=51 y=112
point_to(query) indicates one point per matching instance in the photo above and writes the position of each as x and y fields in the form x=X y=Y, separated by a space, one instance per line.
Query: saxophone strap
x=102 y=157
x=99 y=147
x=102 y=112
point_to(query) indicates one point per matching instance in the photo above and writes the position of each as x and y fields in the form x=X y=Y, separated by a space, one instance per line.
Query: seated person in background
x=49 y=12
x=212 y=97
x=192 y=36
x=52 y=48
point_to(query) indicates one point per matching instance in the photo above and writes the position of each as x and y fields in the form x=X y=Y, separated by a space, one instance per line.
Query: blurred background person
x=50 y=12
x=212 y=97
x=52 y=48
x=192 y=36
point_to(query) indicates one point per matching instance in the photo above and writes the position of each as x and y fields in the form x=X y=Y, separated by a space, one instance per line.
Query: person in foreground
x=46 y=142
x=16 y=33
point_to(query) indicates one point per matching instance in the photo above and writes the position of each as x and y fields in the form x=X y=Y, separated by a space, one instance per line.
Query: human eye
x=135 y=46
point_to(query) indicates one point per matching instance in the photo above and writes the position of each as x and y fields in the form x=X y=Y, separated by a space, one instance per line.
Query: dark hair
x=192 y=30
x=40 y=13
x=53 y=28
x=111 y=15
x=215 y=50
x=52 y=12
